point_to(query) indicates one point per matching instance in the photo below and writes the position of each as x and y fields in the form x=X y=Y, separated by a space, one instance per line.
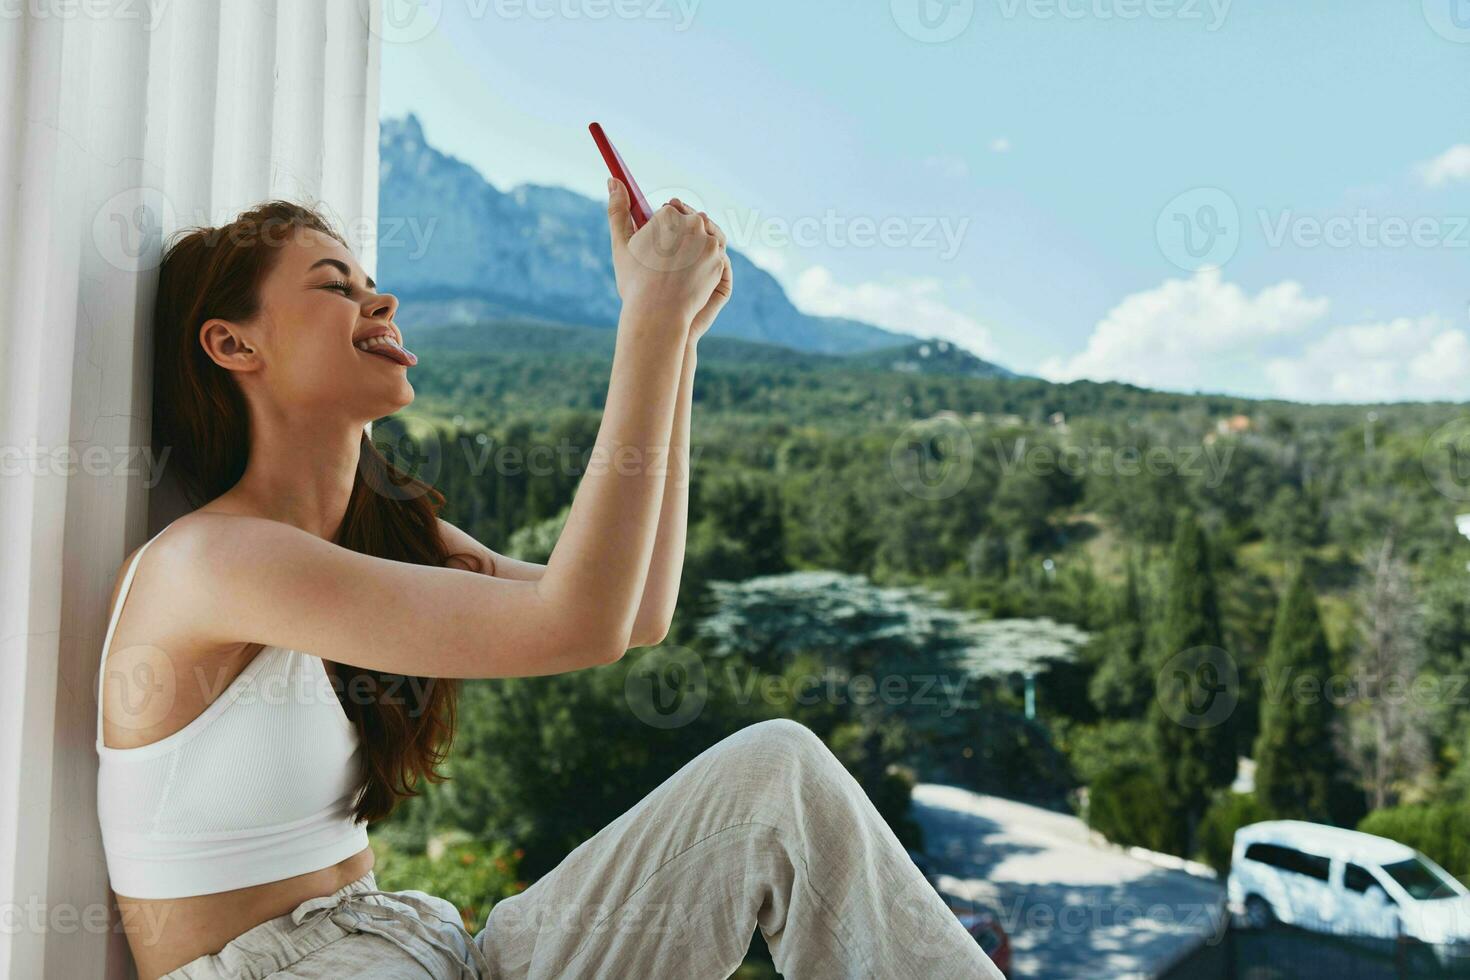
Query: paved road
x=1073 y=909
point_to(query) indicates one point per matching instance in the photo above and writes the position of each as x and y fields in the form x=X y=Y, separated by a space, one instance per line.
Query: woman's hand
x=673 y=263
x=705 y=318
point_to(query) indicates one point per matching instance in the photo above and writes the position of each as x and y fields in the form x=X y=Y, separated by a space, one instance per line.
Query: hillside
x=477 y=361
x=455 y=250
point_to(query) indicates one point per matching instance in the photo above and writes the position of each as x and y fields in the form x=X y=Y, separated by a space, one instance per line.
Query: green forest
x=887 y=548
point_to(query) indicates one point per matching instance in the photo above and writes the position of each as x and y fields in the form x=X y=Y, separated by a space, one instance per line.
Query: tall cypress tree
x=1123 y=684
x=1197 y=687
x=1295 y=755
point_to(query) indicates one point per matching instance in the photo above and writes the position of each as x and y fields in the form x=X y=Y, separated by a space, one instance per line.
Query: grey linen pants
x=765 y=829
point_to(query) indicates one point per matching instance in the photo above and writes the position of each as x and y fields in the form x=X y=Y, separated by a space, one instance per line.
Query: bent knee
x=772 y=768
x=785 y=740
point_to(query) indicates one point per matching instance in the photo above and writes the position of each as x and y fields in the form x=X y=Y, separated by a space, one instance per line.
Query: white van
x=1346 y=882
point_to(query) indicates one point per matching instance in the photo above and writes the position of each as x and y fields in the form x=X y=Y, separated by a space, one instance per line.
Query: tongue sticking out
x=390 y=350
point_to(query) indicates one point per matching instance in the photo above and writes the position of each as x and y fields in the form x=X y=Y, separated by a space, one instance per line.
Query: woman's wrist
x=650 y=311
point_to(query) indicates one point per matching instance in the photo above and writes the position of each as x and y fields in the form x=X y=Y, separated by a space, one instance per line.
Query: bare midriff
x=165 y=934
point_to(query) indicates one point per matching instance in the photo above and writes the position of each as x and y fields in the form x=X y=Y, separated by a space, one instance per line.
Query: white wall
x=120 y=122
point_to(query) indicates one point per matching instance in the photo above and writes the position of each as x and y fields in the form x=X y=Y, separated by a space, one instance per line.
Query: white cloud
x=773 y=260
x=910 y=306
x=1189 y=334
x=1000 y=145
x=1407 y=359
x=1450 y=166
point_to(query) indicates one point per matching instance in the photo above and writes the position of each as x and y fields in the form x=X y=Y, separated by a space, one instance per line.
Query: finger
x=671 y=215
x=713 y=229
x=721 y=293
x=727 y=279
x=619 y=213
x=680 y=206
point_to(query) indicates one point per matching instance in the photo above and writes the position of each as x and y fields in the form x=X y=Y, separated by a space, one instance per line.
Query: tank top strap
x=122 y=598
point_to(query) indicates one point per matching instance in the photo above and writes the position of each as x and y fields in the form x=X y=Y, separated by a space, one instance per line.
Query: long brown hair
x=199 y=413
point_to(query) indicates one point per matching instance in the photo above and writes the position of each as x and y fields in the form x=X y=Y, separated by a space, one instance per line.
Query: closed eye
x=340 y=284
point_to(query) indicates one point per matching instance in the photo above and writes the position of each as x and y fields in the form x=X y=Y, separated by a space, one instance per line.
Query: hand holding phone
x=638 y=203
x=683 y=268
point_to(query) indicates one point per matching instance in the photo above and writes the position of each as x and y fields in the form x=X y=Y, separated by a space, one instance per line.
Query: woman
x=238 y=771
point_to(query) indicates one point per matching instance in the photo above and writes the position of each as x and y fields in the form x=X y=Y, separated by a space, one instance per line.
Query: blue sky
x=1257 y=197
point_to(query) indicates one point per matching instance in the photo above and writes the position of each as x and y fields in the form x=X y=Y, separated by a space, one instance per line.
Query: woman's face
x=300 y=355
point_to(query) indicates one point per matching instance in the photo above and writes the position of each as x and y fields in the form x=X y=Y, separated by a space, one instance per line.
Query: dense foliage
x=1441 y=831
x=1206 y=546
x=1297 y=763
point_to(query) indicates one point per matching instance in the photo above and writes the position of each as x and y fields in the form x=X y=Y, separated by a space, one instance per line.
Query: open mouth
x=386 y=348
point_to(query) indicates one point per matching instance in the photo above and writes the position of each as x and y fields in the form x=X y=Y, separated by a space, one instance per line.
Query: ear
x=225 y=344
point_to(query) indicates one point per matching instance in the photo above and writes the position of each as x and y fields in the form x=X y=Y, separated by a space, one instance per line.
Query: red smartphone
x=638 y=203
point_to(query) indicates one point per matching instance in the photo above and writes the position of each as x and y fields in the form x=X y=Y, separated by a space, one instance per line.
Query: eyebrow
x=342 y=267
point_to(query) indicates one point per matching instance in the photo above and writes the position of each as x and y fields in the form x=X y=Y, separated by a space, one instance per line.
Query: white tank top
x=257 y=788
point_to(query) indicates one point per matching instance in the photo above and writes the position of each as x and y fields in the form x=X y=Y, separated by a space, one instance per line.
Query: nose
x=382 y=306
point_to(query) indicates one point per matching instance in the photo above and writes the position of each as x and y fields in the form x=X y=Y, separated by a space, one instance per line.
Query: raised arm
x=661 y=590
x=256 y=580
x=665 y=272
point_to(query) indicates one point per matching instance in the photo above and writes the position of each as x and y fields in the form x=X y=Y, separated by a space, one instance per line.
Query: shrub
x=1094 y=749
x=1226 y=814
x=469 y=875
x=1126 y=805
x=1441 y=831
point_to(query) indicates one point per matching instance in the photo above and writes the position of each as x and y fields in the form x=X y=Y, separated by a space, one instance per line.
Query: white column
x=119 y=123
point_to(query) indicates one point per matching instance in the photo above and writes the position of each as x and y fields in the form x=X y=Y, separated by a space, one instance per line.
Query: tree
x=1385 y=738
x=829 y=521
x=1292 y=521
x=1022 y=505
x=1295 y=755
x=899 y=655
x=1122 y=684
x=1191 y=715
x=743 y=511
x=901 y=639
x=548 y=761
x=1228 y=813
x=1122 y=805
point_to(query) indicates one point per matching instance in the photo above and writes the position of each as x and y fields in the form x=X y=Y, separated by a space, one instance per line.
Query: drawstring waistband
x=347 y=911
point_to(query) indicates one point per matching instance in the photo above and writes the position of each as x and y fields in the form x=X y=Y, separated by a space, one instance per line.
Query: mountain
x=456 y=250
x=932 y=357
x=502 y=336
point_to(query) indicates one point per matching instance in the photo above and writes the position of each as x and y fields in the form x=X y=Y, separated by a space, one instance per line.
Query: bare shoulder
x=183 y=546
x=151 y=607
x=164 y=542
x=122 y=573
